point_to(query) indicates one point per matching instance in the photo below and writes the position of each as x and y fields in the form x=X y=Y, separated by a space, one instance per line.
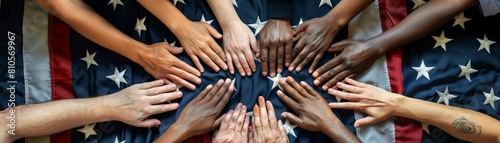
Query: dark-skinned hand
x=318 y=34
x=355 y=59
x=275 y=43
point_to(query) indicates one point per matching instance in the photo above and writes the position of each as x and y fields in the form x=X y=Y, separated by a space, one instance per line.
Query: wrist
x=336 y=19
x=399 y=102
x=174 y=134
x=104 y=109
x=178 y=26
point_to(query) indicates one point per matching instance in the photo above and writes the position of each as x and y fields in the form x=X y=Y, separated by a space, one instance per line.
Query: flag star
x=418 y=3
x=300 y=22
x=88 y=130
x=117 y=77
x=423 y=70
x=491 y=98
x=250 y=114
x=171 y=44
x=89 y=58
x=327 y=2
x=275 y=80
x=203 y=20
x=234 y=3
x=115 y=3
x=182 y=1
x=485 y=43
x=116 y=140
x=446 y=96
x=232 y=83
x=289 y=128
x=460 y=19
x=425 y=127
x=258 y=25
x=466 y=71
x=139 y=26
x=441 y=41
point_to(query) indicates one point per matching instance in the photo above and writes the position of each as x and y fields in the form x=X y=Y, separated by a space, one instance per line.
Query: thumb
x=339 y=45
x=368 y=120
x=174 y=50
x=148 y=123
x=213 y=32
x=300 y=28
x=217 y=122
x=253 y=44
x=292 y=118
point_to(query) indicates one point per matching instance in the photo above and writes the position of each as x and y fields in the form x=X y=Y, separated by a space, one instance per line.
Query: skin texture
x=352 y=61
x=239 y=40
x=379 y=104
x=156 y=59
x=201 y=115
x=266 y=128
x=234 y=126
x=133 y=105
x=275 y=43
x=312 y=111
x=197 y=38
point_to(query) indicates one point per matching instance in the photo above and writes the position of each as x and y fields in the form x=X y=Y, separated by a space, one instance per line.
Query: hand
x=234 y=126
x=355 y=59
x=238 y=39
x=196 y=38
x=275 y=40
x=133 y=105
x=313 y=112
x=376 y=102
x=266 y=128
x=318 y=34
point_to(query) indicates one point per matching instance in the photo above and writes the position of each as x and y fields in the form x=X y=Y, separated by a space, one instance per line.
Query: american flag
x=54 y=62
x=456 y=65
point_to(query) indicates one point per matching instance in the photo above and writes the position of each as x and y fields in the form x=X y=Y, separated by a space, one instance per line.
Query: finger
x=348 y=105
x=287 y=100
x=218 y=53
x=243 y=61
x=234 y=117
x=338 y=78
x=309 y=89
x=222 y=102
x=356 y=83
x=328 y=75
x=180 y=81
x=172 y=49
x=280 y=57
x=272 y=116
x=290 y=90
x=208 y=97
x=253 y=43
x=151 y=84
x=350 y=88
x=148 y=123
x=226 y=121
x=297 y=86
x=263 y=59
x=185 y=67
x=241 y=118
x=217 y=123
x=326 y=67
x=288 y=53
x=282 y=129
x=203 y=93
x=339 y=46
x=238 y=64
x=256 y=123
x=249 y=58
x=197 y=63
x=246 y=123
x=161 y=108
x=301 y=28
x=213 y=32
x=250 y=134
x=368 y=120
x=230 y=63
x=221 y=92
x=304 y=57
x=299 y=47
x=344 y=95
x=161 y=98
x=292 y=118
x=186 y=75
x=272 y=60
x=263 y=113
x=315 y=62
x=210 y=60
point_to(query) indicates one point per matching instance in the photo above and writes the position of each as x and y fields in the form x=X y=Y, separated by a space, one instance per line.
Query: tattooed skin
x=465 y=126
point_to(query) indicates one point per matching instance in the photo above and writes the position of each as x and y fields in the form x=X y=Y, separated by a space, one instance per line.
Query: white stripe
x=365 y=25
x=36 y=54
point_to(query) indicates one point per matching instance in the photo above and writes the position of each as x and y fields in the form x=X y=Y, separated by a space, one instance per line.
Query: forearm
x=166 y=12
x=462 y=123
x=224 y=12
x=174 y=134
x=337 y=131
x=52 y=117
x=85 y=21
x=420 y=23
x=343 y=12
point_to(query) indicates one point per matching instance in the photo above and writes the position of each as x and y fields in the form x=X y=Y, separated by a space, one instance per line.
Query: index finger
x=185 y=67
x=218 y=54
x=263 y=59
x=289 y=89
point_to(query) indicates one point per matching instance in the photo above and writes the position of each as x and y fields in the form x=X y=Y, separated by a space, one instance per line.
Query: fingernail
x=261 y=99
x=287 y=64
x=315 y=74
x=310 y=71
x=198 y=81
x=264 y=73
x=280 y=70
x=290 y=69
x=330 y=91
x=303 y=83
x=224 y=67
x=298 y=69
x=279 y=92
x=244 y=108
x=273 y=74
x=209 y=86
x=324 y=88
x=316 y=82
x=249 y=73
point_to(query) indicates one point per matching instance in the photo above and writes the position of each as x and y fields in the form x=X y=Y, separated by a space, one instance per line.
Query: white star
x=425 y=127
x=232 y=83
x=117 y=77
x=203 y=19
x=89 y=58
x=418 y=3
x=139 y=26
x=300 y=22
x=328 y=2
x=258 y=25
x=182 y=1
x=289 y=128
x=460 y=19
x=446 y=96
x=490 y=98
x=115 y=3
x=423 y=70
x=441 y=41
x=171 y=44
x=275 y=80
x=234 y=3
x=116 y=140
x=485 y=43
x=250 y=114
x=466 y=71
x=88 y=130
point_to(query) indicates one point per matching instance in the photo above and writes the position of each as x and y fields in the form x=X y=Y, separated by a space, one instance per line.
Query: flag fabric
x=54 y=62
x=456 y=65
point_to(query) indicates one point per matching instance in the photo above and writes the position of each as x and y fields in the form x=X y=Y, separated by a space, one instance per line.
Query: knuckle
x=302 y=56
x=263 y=59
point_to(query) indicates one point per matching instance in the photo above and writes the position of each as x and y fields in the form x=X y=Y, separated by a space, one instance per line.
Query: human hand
x=239 y=42
x=355 y=59
x=318 y=34
x=266 y=128
x=312 y=110
x=196 y=39
x=159 y=61
x=133 y=105
x=275 y=40
x=234 y=126
x=376 y=102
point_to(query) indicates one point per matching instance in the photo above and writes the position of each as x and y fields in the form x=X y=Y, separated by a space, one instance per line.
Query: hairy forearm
x=166 y=12
x=52 y=117
x=88 y=23
x=224 y=12
x=462 y=123
x=343 y=12
x=420 y=23
x=337 y=131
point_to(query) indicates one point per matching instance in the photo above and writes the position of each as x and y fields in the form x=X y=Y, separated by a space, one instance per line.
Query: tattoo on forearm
x=465 y=126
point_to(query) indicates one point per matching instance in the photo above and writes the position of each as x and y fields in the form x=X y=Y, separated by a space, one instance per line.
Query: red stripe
x=391 y=13
x=203 y=138
x=60 y=68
